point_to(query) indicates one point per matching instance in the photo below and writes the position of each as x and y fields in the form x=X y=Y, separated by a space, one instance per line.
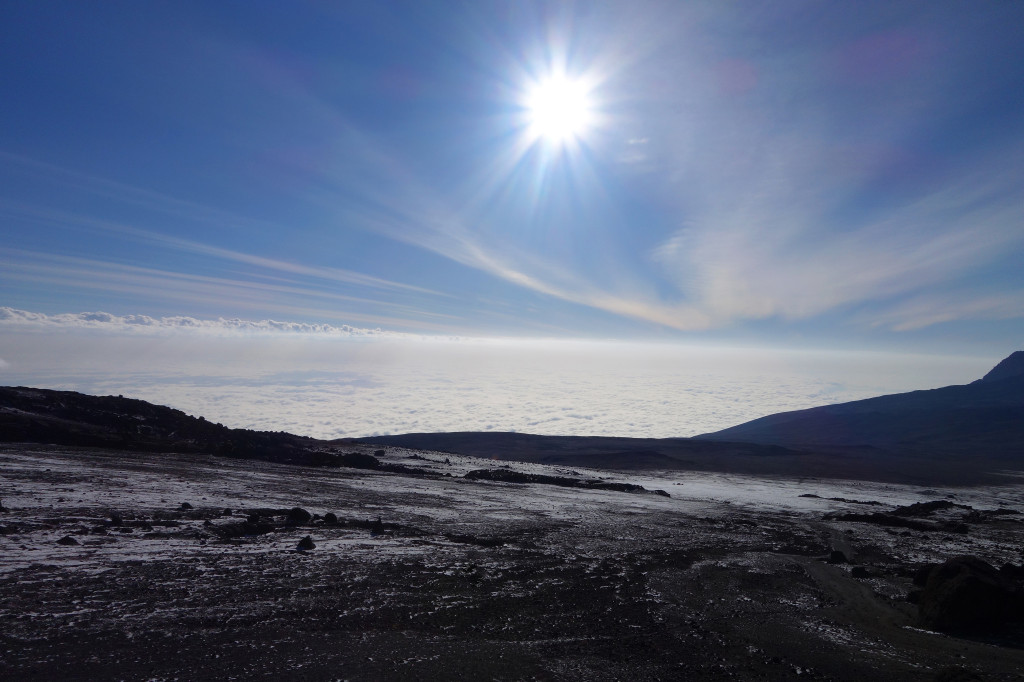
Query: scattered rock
x=298 y=516
x=965 y=595
x=331 y=519
x=379 y=453
x=837 y=557
x=67 y=540
x=860 y=572
x=226 y=512
x=115 y=519
x=185 y=506
x=306 y=544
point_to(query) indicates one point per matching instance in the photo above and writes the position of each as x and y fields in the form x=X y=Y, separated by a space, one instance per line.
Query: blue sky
x=835 y=175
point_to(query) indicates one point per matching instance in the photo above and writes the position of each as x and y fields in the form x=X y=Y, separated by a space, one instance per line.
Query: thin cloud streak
x=79 y=273
x=63 y=218
x=925 y=311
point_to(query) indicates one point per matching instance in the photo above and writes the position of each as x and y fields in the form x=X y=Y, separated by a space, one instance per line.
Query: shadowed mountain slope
x=1011 y=366
x=984 y=417
x=36 y=415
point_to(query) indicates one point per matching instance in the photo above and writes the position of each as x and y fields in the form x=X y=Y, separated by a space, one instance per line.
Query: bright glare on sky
x=560 y=109
x=789 y=174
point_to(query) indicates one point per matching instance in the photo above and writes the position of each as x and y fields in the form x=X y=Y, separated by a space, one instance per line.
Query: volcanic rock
x=298 y=516
x=67 y=540
x=965 y=595
x=306 y=544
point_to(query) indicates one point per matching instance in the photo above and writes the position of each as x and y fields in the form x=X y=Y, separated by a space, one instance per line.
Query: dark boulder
x=297 y=516
x=306 y=544
x=837 y=557
x=67 y=540
x=965 y=595
x=921 y=574
x=185 y=506
x=860 y=572
x=331 y=519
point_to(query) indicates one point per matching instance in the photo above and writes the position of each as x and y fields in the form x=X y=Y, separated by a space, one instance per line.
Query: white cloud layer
x=14 y=318
x=333 y=382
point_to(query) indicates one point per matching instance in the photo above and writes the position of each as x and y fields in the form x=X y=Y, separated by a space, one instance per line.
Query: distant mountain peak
x=1011 y=366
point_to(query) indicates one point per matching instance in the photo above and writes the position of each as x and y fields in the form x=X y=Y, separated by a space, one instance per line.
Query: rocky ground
x=127 y=566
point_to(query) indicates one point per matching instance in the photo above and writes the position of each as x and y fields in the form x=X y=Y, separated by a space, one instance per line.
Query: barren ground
x=438 y=577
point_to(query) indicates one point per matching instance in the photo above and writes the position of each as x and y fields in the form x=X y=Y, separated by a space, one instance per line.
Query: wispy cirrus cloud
x=77 y=274
x=328 y=274
x=773 y=253
x=926 y=310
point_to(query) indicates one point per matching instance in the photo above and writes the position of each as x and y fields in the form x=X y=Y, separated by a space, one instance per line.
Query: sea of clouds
x=333 y=382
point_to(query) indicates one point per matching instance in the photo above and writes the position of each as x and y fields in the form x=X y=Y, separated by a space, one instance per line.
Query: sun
x=560 y=109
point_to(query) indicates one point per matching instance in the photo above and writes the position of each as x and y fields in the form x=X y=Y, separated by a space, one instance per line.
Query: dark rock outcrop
x=67 y=540
x=967 y=595
x=509 y=476
x=306 y=544
x=297 y=516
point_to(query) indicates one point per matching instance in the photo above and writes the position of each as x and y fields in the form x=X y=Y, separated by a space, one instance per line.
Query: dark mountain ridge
x=37 y=415
x=1011 y=366
x=986 y=416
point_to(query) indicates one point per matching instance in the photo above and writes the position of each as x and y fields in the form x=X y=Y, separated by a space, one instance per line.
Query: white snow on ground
x=38 y=484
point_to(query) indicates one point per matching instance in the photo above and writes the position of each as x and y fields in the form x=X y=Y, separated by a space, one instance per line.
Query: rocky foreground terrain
x=123 y=565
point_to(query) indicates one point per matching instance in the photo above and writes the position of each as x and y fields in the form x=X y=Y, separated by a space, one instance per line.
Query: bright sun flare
x=560 y=109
